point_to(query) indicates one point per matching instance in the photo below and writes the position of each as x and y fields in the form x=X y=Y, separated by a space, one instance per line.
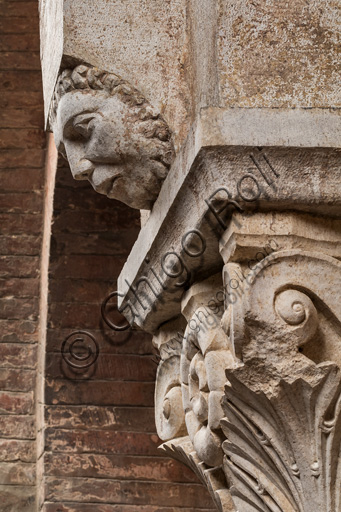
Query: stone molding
x=250 y=128
x=208 y=182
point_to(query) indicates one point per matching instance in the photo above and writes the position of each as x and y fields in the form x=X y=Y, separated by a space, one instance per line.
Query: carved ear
x=79 y=77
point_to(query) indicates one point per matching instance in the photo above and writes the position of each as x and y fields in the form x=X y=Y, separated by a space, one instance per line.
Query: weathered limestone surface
x=186 y=55
x=278 y=53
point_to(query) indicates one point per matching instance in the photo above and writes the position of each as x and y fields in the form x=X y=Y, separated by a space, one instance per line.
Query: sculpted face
x=107 y=143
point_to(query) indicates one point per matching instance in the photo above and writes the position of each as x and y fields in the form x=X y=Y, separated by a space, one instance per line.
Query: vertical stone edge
x=50 y=176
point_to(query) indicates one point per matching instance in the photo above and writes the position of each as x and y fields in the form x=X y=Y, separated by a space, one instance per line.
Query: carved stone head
x=111 y=135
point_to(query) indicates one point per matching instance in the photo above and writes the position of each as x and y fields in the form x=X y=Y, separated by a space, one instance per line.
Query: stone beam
x=289 y=161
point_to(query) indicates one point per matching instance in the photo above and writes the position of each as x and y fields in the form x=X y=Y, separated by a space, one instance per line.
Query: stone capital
x=236 y=273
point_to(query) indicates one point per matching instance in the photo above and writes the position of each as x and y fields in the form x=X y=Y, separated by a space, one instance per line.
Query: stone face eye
x=83 y=126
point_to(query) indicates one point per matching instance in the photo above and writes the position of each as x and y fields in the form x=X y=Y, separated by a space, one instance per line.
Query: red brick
x=16 y=379
x=107 y=367
x=10 y=158
x=132 y=419
x=19 y=266
x=88 y=267
x=17 y=473
x=19 y=43
x=18 y=427
x=18 y=355
x=74 y=316
x=22 y=138
x=15 y=497
x=14 y=450
x=21 y=203
x=14 y=309
x=16 y=403
x=19 y=80
x=19 y=287
x=65 y=179
x=21 y=100
x=101 y=441
x=17 y=245
x=22 y=9
x=21 y=331
x=92 y=507
x=114 y=491
x=63 y=392
x=22 y=61
x=83 y=198
x=95 y=222
x=17 y=25
x=111 y=342
x=16 y=223
x=117 y=243
x=117 y=467
x=17 y=118
x=21 y=180
x=78 y=290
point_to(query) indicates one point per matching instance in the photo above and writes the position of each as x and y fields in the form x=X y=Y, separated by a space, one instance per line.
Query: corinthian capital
x=190 y=381
x=282 y=404
x=251 y=384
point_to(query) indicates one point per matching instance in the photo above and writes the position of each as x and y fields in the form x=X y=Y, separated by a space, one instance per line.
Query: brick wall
x=100 y=441
x=22 y=143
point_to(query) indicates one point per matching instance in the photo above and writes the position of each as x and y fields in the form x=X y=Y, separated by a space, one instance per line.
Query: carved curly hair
x=83 y=77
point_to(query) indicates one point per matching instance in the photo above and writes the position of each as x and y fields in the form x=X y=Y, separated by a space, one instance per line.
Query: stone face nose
x=101 y=179
x=81 y=168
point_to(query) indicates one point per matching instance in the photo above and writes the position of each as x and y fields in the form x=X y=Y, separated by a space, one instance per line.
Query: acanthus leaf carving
x=261 y=403
x=282 y=409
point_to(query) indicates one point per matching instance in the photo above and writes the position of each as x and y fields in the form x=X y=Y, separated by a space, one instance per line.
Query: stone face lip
x=111 y=135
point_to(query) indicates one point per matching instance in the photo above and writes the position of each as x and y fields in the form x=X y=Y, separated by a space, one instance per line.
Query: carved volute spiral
x=297 y=310
x=169 y=413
